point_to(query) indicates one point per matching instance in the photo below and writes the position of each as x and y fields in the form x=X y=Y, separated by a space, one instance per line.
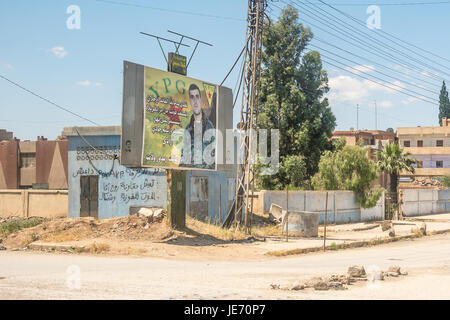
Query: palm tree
x=393 y=160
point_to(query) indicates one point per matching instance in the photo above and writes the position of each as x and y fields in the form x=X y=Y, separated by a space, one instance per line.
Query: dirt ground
x=141 y=236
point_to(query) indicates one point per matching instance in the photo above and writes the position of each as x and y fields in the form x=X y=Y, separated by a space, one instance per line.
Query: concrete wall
x=33 y=203
x=418 y=202
x=341 y=207
x=119 y=187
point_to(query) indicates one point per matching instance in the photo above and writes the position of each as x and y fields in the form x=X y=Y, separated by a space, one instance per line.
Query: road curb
x=356 y=244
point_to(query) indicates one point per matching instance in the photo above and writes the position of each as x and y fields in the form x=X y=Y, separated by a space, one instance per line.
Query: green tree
x=445 y=181
x=349 y=169
x=444 y=103
x=392 y=160
x=293 y=84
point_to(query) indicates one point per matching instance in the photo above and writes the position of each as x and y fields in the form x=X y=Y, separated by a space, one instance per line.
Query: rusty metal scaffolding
x=243 y=200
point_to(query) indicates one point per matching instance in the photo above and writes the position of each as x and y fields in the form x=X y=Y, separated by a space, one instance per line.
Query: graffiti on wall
x=125 y=184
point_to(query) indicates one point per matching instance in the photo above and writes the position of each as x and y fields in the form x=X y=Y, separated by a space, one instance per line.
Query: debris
x=392 y=274
x=356 y=271
x=386 y=225
x=275 y=212
x=391 y=232
x=145 y=212
x=2 y=248
x=336 y=285
x=423 y=228
x=275 y=286
x=321 y=285
x=313 y=281
x=297 y=286
x=394 y=269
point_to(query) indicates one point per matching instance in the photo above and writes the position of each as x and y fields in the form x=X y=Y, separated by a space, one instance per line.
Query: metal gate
x=89 y=196
x=198 y=204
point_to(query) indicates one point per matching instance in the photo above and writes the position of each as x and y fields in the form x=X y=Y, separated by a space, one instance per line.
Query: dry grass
x=266 y=231
x=61 y=236
x=214 y=230
x=98 y=247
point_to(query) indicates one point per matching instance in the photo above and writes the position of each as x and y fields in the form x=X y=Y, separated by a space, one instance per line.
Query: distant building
x=5 y=135
x=430 y=146
x=375 y=140
x=40 y=164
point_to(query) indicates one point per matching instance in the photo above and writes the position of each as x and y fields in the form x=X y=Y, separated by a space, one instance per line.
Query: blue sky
x=82 y=69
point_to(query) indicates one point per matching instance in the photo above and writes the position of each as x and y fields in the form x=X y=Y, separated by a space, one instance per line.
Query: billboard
x=172 y=121
x=177 y=63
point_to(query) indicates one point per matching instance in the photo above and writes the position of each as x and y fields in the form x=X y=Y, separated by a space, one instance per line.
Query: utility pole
x=357 y=117
x=376 y=128
x=243 y=201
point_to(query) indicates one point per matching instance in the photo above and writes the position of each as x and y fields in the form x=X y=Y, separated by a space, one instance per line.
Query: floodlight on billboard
x=172 y=121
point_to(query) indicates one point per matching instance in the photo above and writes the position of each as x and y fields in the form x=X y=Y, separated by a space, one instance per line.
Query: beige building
x=430 y=146
x=374 y=140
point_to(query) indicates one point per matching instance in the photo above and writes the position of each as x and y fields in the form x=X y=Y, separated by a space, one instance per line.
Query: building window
x=420 y=143
x=406 y=143
x=28 y=160
x=439 y=143
x=419 y=164
x=439 y=164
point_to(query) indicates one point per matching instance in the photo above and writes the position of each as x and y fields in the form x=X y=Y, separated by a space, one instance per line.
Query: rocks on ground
x=341 y=281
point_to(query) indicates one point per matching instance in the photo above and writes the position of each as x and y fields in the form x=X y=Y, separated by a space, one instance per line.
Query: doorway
x=89 y=196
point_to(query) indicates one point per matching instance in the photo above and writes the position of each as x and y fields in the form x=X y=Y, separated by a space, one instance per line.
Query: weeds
x=333 y=246
x=14 y=225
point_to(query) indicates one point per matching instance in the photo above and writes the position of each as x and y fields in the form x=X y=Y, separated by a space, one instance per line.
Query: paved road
x=31 y=275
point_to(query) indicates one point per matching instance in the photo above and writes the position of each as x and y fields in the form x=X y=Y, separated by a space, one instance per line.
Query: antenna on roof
x=168 y=40
x=187 y=37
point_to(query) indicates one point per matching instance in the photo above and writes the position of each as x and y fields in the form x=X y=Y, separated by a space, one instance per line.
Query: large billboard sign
x=172 y=121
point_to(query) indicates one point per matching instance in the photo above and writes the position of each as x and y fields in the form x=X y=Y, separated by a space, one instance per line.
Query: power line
x=353 y=29
x=415 y=95
x=46 y=100
x=382 y=33
x=362 y=48
x=382 y=84
x=372 y=61
x=234 y=64
x=391 y=4
x=168 y=10
x=371 y=45
x=386 y=75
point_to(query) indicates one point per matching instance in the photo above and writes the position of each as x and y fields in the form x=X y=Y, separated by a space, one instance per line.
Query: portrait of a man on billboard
x=180 y=121
x=199 y=138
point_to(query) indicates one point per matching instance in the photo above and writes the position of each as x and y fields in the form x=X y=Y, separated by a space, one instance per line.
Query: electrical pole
x=357 y=117
x=376 y=115
x=243 y=201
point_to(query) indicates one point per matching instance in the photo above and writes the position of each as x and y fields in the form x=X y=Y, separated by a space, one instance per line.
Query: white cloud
x=350 y=89
x=388 y=87
x=346 y=88
x=98 y=84
x=85 y=83
x=384 y=104
x=59 y=52
x=360 y=69
x=9 y=66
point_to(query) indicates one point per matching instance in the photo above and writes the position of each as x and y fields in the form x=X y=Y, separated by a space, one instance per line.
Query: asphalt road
x=33 y=275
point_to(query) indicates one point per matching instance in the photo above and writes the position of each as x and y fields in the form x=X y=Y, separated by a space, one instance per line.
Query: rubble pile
x=426 y=182
x=342 y=281
x=147 y=224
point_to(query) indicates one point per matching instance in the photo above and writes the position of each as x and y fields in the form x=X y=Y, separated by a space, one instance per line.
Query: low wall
x=417 y=202
x=341 y=207
x=33 y=203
